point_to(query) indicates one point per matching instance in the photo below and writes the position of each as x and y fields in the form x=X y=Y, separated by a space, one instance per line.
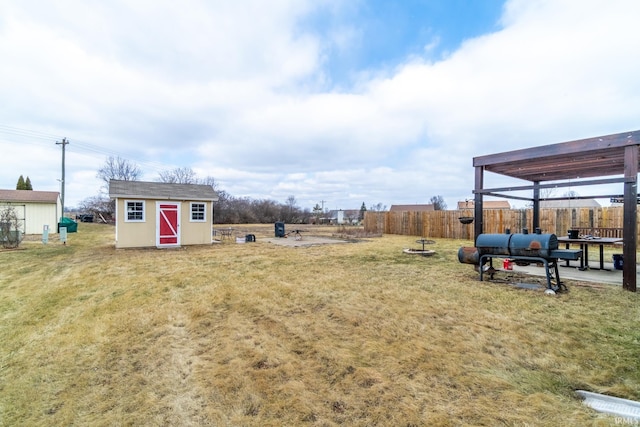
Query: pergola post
x=477 y=203
x=629 y=219
x=536 y=205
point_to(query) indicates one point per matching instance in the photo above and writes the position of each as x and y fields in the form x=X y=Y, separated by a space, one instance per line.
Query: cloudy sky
x=333 y=101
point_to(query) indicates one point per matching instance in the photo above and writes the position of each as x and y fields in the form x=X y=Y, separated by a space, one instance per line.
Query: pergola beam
x=555 y=185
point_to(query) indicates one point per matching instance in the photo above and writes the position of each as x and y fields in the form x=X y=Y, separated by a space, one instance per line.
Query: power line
x=78 y=145
x=44 y=139
x=27 y=133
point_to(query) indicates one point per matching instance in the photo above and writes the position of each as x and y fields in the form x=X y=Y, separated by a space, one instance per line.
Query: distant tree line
x=227 y=210
x=243 y=210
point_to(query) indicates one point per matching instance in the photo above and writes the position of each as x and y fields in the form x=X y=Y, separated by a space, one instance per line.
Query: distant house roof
x=29 y=196
x=161 y=190
x=567 y=204
x=486 y=204
x=411 y=208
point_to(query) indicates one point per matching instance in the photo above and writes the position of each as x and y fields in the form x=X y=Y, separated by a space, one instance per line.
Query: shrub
x=10 y=228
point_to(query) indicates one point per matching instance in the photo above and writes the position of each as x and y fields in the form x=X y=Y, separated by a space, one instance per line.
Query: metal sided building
x=34 y=209
x=162 y=214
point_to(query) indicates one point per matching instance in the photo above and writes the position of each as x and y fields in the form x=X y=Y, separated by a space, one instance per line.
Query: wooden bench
x=600 y=232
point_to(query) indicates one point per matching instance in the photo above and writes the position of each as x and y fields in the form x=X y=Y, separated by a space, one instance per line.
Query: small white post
x=63 y=235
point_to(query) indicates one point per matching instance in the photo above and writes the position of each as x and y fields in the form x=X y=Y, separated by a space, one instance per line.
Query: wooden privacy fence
x=446 y=224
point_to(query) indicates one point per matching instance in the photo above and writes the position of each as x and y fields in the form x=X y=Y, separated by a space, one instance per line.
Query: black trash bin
x=86 y=218
x=279 y=229
x=617 y=261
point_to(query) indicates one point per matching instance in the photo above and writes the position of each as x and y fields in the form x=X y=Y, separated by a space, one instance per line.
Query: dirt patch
x=304 y=241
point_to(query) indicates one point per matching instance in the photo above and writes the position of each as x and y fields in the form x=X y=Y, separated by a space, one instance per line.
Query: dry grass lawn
x=258 y=334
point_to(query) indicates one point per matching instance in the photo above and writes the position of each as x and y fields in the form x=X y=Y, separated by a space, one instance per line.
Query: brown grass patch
x=259 y=334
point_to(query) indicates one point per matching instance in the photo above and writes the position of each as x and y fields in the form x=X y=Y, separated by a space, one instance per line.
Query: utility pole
x=323 y=202
x=63 y=144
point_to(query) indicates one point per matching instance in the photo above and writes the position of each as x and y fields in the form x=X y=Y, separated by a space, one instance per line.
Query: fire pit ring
x=422 y=252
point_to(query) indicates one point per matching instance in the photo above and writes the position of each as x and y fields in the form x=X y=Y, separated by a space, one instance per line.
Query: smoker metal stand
x=550 y=265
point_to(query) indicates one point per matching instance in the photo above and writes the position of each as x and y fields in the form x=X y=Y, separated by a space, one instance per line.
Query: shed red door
x=168 y=224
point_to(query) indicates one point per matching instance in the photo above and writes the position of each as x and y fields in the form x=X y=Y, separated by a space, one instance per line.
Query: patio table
x=584 y=243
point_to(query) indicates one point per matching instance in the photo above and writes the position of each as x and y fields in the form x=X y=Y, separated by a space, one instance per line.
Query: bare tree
x=378 y=207
x=118 y=168
x=184 y=175
x=99 y=206
x=208 y=180
x=292 y=202
x=545 y=193
x=351 y=216
x=438 y=203
x=290 y=210
x=266 y=210
x=221 y=208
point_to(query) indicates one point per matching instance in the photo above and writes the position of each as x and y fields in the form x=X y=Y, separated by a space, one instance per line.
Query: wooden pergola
x=574 y=163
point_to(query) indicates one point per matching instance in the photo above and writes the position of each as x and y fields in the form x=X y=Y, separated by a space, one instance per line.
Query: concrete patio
x=609 y=276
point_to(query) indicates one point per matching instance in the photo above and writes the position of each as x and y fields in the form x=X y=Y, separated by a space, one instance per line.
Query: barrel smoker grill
x=522 y=248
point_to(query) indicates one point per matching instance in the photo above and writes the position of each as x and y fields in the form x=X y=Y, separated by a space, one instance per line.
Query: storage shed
x=162 y=214
x=34 y=209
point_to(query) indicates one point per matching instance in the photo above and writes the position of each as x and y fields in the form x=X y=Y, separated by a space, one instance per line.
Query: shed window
x=135 y=211
x=198 y=212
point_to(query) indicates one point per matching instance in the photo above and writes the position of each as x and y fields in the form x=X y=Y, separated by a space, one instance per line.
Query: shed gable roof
x=29 y=196
x=161 y=190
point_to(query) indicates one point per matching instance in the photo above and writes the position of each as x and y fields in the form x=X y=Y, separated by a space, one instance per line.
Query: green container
x=72 y=226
